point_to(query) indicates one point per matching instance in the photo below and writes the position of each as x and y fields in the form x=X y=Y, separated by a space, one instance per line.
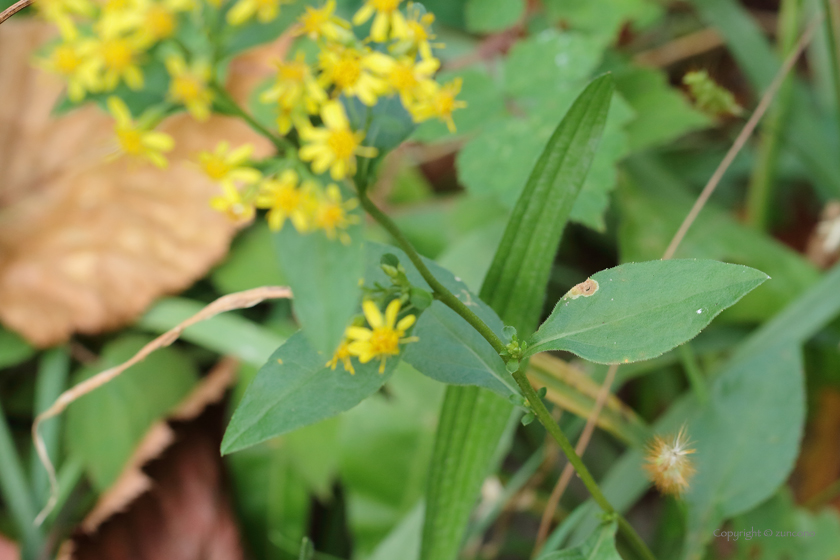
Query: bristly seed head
x=668 y=464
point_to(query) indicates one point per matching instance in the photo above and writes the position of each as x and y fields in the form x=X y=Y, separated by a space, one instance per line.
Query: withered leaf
x=87 y=244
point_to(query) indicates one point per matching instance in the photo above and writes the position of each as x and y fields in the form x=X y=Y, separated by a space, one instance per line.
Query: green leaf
x=473 y=419
x=294 y=389
x=388 y=123
x=385 y=444
x=451 y=351
x=515 y=283
x=484 y=16
x=653 y=203
x=637 y=311
x=663 y=113
x=13 y=349
x=599 y=546
x=603 y=18
x=250 y=262
x=105 y=426
x=324 y=275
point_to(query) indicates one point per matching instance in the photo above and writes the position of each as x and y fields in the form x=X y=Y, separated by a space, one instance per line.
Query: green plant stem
x=764 y=173
x=535 y=402
x=442 y=293
x=693 y=372
x=229 y=103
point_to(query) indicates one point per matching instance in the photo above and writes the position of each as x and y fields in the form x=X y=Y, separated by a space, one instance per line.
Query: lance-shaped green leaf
x=451 y=351
x=637 y=311
x=599 y=546
x=296 y=388
x=473 y=419
x=324 y=275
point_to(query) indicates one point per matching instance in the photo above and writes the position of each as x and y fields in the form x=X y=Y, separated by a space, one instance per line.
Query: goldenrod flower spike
x=265 y=10
x=227 y=166
x=188 y=86
x=416 y=35
x=334 y=146
x=232 y=204
x=333 y=214
x=342 y=354
x=405 y=75
x=296 y=91
x=384 y=337
x=668 y=464
x=387 y=18
x=68 y=61
x=136 y=141
x=115 y=56
x=285 y=200
x=348 y=70
x=320 y=23
x=438 y=101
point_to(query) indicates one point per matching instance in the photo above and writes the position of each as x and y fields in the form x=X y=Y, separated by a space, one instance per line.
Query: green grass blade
x=472 y=419
x=52 y=380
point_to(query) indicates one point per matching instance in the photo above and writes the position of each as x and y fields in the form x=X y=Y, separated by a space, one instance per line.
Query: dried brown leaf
x=87 y=244
x=133 y=481
x=8 y=549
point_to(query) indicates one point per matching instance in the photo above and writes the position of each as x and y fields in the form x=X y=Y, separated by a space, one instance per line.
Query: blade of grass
x=51 y=381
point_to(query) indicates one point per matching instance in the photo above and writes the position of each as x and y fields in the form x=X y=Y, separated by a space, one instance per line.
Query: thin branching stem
x=535 y=403
x=282 y=144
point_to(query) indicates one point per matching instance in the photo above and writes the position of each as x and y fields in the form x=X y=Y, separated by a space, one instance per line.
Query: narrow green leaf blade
x=515 y=283
x=294 y=389
x=451 y=351
x=324 y=275
x=637 y=311
x=473 y=419
x=599 y=546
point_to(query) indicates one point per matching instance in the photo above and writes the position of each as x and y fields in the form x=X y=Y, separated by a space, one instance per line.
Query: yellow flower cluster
x=350 y=67
x=305 y=203
x=380 y=341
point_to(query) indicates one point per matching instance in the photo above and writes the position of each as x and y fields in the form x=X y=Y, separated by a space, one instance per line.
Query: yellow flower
x=438 y=101
x=160 y=19
x=348 y=70
x=265 y=10
x=115 y=56
x=404 y=75
x=61 y=12
x=388 y=17
x=320 y=23
x=295 y=86
x=136 y=141
x=332 y=214
x=667 y=463
x=384 y=337
x=335 y=146
x=188 y=85
x=228 y=167
x=343 y=355
x=68 y=61
x=285 y=200
x=237 y=209
x=416 y=35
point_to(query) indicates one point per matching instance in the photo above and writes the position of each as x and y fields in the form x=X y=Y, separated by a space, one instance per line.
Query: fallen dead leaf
x=133 y=481
x=186 y=515
x=818 y=465
x=8 y=549
x=86 y=245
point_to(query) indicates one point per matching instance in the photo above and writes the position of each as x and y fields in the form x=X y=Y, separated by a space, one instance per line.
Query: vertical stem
x=16 y=491
x=764 y=174
x=693 y=372
x=51 y=381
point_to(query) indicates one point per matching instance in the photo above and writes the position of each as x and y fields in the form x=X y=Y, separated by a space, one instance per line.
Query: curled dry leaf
x=87 y=244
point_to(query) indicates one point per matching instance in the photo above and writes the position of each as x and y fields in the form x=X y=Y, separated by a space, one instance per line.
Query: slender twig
x=742 y=138
x=238 y=300
x=535 y=403
x=14 y=8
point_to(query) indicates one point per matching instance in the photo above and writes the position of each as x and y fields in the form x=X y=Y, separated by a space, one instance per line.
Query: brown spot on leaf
x=585 y=289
